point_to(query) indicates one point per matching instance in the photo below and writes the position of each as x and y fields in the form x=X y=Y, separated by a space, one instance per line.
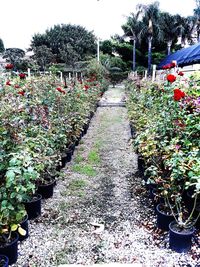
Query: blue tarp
x=183 y=57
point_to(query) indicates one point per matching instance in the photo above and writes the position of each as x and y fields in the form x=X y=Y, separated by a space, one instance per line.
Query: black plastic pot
x=180 y=241
x=33 y=207
x=4 y=261
x=11 y=249
x=163 y=219
x=46 y=190
x=133 y=131
x=86 y=126
x=141 y=165
x=24 y=225
x=151 y=187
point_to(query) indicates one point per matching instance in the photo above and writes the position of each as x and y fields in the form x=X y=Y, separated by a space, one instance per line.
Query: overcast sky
x=21 y=19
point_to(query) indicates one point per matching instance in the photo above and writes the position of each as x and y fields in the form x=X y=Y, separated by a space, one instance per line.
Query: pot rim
x=191 y=229
x=38 y=196
x=157 y=208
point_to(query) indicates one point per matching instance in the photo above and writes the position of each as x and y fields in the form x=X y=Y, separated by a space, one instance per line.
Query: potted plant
x=12 y=214
x=21 y=176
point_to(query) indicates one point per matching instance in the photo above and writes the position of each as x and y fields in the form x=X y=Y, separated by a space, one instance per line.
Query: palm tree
x=132 y=29
x=169 y=28
x=197 y=16
x=185 y=28
x=151 y=26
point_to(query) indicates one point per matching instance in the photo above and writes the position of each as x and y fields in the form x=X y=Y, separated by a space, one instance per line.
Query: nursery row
x=41 y=122
x=165 y=124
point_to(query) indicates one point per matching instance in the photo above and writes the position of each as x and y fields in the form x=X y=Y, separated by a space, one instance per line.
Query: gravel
x=101 y=213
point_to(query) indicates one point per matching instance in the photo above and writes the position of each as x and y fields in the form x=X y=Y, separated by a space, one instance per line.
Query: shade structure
x=183 y=57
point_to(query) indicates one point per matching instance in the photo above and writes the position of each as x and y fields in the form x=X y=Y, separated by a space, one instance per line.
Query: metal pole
x=133 y=55
x=98 y=50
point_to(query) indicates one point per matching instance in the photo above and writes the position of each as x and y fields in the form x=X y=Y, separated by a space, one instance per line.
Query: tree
x=68 y=43
x=2 y=49
x=14 y=56
x=185 y=27
x=106 y=47
x=43 y=56
x=151 y=26
x=197 y=16
x=133 y=29
x=169 y=28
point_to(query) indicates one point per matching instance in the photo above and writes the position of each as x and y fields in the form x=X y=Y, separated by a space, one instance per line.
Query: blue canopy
x=183 y=57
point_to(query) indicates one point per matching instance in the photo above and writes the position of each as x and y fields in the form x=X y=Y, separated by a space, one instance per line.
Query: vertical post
x=154 y=73
x=61 y=76
x=69 y=75
x=145 y=74
x=133 y=54
x=149 y=54
x=29 y=72
x=98 y=52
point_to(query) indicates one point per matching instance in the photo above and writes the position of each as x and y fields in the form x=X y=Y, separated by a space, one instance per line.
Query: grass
x=79 y=159
x=93 y=156
x=86 y=169
x=77 y=184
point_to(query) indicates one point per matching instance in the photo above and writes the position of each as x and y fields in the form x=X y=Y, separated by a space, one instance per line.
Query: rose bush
x=39 y=120
x=166 y=117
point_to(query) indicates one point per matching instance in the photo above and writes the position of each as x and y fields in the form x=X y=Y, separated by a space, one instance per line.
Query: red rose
x=173 y=64
x=9 y=66
x=17 y=86
x=180 y=73
x=8 y=83
x=171 y=78
x=22 y=75
x=60 y=90
x=86 y=87
x=178 y=94
x=21 y=93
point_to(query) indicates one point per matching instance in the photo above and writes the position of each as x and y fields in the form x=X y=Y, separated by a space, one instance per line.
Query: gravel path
x=100 y=212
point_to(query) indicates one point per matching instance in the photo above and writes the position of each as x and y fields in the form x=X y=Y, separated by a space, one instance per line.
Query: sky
x=21 y=19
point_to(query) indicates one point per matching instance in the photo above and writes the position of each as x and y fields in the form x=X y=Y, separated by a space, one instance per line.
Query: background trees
x=63 y=44
x=155 y=34
x=1 y=46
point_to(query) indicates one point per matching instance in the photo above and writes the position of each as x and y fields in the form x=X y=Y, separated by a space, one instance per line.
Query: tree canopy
x=63 y=43
x=2 y=48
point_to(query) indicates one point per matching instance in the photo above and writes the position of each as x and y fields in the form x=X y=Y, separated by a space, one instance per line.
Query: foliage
x=2 y=48
x=14 y=55
x=63 y=44
x=39 y=120
x=166 y=118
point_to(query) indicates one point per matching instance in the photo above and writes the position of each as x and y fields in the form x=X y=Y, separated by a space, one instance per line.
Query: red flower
x=173 y=64
x=21 y=93
x=178 y=94
x=9 y=66
x=17 y=86
x=60 y=90
x=86 y=87
x=8 y=83
x=171 y=78
x=180 y=73
x=22 y=75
